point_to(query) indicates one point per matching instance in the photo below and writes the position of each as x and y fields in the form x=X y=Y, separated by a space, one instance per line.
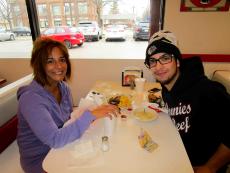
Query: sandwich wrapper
x=146 y=141
x=88 y=103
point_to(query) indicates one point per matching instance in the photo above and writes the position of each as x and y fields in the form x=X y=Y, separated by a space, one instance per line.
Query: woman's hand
x=105 y=111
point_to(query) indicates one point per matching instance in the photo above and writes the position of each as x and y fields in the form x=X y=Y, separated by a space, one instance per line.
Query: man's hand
x=202 y=169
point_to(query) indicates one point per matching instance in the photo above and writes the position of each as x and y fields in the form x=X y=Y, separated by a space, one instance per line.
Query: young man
x=198 y=106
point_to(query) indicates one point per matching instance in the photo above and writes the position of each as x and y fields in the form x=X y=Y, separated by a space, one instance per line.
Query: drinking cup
x=140 y=84
x=109 y=126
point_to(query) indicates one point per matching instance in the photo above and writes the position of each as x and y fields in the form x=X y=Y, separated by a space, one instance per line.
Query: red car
x=68 y=35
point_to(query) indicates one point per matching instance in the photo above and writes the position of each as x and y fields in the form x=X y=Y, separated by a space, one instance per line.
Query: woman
x=45 y=105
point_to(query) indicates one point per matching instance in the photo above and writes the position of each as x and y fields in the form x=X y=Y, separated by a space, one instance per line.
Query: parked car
x=6 y=35
x=70 y=36
x=141 y=31
x=22 y=31
x=115 y=32
x=90 y=29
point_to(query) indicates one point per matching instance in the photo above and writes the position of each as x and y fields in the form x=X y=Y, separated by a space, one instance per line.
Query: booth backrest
x=8 y=111
x=222 y=76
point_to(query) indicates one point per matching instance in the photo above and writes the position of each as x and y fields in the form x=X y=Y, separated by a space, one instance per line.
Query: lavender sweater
x=40 y=125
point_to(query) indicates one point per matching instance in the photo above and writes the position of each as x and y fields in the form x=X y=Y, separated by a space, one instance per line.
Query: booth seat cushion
x=8 y=133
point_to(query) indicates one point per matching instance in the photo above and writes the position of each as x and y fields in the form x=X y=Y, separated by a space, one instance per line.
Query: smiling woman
x=45 y=105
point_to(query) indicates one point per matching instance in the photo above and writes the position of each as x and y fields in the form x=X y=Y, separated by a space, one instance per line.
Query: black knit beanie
x=162 y=41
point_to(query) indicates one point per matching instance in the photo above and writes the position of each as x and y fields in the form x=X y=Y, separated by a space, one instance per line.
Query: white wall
x=86 y=72
x=198 y=32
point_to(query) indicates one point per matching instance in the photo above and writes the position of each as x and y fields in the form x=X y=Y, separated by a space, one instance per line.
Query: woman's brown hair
x=41 y=50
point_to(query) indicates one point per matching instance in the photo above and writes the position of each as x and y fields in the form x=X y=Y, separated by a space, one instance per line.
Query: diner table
x=125 y=154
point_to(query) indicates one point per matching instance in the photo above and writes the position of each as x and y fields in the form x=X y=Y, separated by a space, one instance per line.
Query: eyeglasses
x=164 y=59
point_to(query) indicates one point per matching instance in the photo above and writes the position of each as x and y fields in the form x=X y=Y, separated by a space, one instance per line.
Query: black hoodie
x=200 y=109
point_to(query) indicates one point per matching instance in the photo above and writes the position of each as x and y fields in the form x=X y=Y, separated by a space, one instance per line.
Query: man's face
x=165 y=69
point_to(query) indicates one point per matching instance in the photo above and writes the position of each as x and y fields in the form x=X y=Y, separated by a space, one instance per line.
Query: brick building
x=55 y=12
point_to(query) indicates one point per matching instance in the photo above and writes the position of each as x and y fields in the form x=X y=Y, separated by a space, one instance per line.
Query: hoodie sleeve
x=220 y=100
x=35 y=111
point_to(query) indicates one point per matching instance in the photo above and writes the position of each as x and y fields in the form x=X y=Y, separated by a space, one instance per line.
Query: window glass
x=43 y=23
x=42 y=9
x=91 y=19
x=82 y=7
x=15 y=36
x=69 y=8
x=56 y=9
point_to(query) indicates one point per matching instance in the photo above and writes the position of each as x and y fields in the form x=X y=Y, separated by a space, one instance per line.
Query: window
x=16 y=9
x=82 y=8
x=56 y=9
x=16 y=40
x=44 y=23
x=126 y=13
x=70 y=22
x=42 y=10
x=69 y=8
x=57 y=22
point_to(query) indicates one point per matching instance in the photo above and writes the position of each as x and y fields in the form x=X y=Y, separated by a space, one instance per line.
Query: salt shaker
x=105 y=143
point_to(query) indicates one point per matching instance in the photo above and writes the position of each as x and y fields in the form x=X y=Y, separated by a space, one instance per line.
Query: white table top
x=125 y=154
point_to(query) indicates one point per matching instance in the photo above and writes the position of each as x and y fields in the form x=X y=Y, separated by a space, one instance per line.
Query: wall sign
x=129 y=74
x=204 y=5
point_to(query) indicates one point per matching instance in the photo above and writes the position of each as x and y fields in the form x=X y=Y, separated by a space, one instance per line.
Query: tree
x=146 y=14
x=7 y=12
x=99 y=7
x=100 y=4
x=114 y=8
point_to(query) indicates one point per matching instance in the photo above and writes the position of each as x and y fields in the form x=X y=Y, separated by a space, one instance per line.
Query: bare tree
x=7 y=12
x=100 y=4
x=146 y=14
x=114 y=8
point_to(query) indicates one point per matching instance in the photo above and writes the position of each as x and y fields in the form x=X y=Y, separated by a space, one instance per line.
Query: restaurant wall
x=198 y=32
x=85 y=72
x=13 y=69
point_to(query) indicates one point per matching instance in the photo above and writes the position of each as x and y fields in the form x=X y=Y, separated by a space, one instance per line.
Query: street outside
x=21 y=48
